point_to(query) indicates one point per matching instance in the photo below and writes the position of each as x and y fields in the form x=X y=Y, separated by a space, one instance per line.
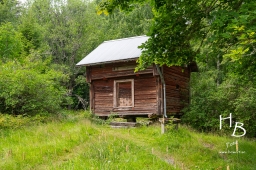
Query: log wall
x=145 y=96
x=114 y=70
x=148 y=92
x=177 y=88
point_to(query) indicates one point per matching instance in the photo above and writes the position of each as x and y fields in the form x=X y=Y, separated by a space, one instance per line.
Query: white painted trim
x=115 y=92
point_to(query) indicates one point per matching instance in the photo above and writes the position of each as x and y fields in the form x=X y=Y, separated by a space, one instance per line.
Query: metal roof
x=114 y=50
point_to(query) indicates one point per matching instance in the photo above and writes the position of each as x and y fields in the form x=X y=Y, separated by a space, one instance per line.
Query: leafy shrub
x=11 y=45
x=209 y=101
x=9 y=121
x=15 y=122
x=30 y=87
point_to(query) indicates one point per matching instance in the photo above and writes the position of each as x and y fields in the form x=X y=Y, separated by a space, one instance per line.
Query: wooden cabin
x=116 y=89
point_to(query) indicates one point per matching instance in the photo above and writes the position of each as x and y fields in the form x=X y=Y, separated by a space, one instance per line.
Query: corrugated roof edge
x=108 y=62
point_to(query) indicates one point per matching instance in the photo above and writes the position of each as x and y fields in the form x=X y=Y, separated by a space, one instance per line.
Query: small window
x=124 y=93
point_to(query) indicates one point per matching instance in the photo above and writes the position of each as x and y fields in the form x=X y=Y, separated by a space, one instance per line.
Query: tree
x=71 y=29
x=9 y=11
x=31 y=87
x=11 y=46
x=32 y=35
x=180 y=29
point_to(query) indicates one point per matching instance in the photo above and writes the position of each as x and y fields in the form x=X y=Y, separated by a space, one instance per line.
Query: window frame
x=115 y=105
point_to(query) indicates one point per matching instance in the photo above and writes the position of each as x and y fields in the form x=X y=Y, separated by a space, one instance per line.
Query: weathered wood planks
x=111 y=89
x=177 y=88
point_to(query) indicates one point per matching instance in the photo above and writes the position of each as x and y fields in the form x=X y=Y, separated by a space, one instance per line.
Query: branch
x=82 y=101
x=238 y=5
x=201 y=44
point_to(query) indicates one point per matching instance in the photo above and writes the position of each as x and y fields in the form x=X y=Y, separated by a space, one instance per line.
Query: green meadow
x=75 y=141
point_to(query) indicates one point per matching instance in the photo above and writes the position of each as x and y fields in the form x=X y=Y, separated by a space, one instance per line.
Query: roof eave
x=108 y=62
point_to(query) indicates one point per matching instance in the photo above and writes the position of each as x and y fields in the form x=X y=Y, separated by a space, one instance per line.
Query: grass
x=74 y=142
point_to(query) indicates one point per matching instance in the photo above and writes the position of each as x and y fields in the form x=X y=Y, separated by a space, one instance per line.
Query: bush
x=16 y=122
x=11 y=45
x=30 y=87
x=209 y=101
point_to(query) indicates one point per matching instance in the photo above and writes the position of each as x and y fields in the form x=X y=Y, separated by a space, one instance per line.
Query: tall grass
x=72 y=141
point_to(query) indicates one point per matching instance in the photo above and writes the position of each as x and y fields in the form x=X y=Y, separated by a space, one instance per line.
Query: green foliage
x=244 y=109
x=181 y=30
x=15 y=122
x=19 y=121
x=11 y=45
x=206 y=103
x=32 y=35
x=134 y=23
x=226 y=83
x=9 y=121
x=174 y=25
x=30 y=87
x=9 y=11
x=210 y=100
x=65 y=30
x=80 y=89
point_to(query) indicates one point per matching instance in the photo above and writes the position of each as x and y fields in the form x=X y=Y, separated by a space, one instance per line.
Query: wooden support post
x=164 y=121
x=162 y=128
x=236 y=146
